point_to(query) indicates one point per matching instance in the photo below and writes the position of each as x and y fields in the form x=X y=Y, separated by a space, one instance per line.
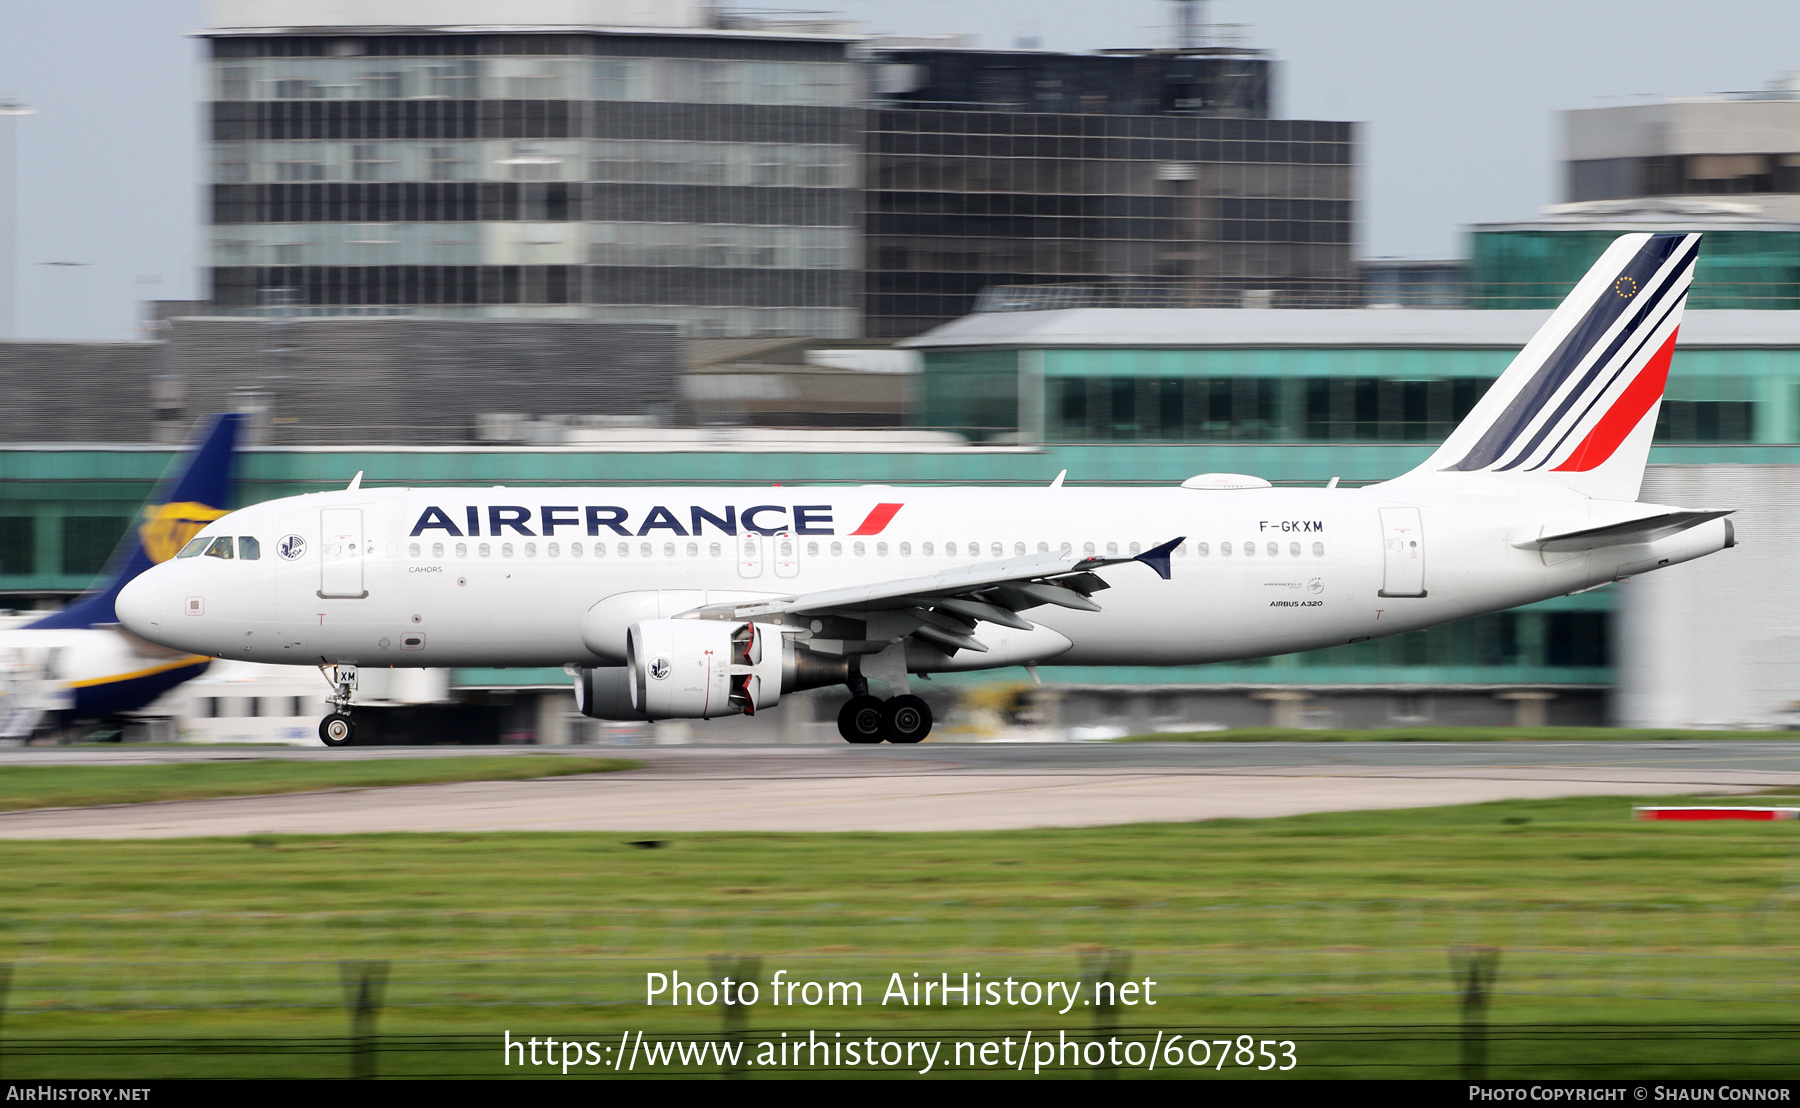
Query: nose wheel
x=901 y=719
x=338 y=729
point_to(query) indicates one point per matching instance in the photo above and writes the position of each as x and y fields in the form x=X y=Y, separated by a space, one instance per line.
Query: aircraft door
x=341 y=554
x=787 y=554
x=1402 y=552
x=749 y=555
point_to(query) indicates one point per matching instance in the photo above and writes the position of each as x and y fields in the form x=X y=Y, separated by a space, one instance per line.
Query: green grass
x=1453 y=735
x=1335 y=930
x=82 y=786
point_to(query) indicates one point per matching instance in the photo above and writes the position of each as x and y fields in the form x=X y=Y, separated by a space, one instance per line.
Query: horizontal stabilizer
x=1648 y=529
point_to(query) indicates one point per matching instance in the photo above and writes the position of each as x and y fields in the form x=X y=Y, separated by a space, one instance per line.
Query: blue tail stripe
x=204 y=479
x=1599 y=394
x=1626 y=334
x=1574 y=347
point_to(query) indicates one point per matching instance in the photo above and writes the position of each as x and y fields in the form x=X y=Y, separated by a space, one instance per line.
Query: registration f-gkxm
x=692 y=603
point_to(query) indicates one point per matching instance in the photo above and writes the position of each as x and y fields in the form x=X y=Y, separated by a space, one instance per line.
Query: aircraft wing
x=1648 y=529
x=945 y=607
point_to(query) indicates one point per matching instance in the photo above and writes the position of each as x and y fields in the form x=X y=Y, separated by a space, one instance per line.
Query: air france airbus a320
x=669 y=603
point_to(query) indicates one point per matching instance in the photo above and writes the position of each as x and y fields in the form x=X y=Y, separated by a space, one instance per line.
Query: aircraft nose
x=139 y=604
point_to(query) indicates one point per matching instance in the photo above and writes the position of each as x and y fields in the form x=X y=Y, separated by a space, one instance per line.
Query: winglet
x=355 y=482
x=1057 y=484
x=1157 y=557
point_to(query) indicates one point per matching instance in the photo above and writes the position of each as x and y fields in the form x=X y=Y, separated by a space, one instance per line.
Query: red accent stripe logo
x=878 y=519
x=1624 y=416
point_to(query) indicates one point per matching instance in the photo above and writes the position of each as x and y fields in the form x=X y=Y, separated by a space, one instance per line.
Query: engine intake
x=701 y=669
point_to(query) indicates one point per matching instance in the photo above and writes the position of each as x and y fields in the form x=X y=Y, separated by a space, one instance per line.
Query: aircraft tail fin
x=193 y=494
x=1578 y=406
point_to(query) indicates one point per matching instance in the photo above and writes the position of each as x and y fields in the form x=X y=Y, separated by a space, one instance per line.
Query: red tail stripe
x=1624 y=416
x=878 y=519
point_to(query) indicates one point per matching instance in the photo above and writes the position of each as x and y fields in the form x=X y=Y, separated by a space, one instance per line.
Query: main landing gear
x=899 y=719
x=338 y=729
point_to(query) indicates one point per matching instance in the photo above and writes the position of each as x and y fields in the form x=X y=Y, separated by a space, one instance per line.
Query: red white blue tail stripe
x=1570 y=410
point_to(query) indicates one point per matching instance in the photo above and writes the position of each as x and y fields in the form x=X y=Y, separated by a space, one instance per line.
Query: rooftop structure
x=1744 y=145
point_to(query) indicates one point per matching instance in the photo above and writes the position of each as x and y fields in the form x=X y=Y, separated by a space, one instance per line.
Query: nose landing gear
x=337 y=729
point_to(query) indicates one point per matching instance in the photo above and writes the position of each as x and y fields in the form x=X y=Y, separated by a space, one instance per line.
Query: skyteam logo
x=551 y=520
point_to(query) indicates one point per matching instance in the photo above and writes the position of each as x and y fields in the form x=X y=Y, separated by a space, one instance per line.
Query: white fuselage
x=507 y=576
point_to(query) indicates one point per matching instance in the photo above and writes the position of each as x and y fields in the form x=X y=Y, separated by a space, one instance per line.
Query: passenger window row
x=785 y=546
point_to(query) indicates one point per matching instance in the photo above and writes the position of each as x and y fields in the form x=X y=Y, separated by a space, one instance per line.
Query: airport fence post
x=734 y=1013
x=1103 y=970
x=5 y=985
x=365 y=984
x=1473 y=969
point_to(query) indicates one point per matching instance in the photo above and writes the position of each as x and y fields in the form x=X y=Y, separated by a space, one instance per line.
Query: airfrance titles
x=596 y=519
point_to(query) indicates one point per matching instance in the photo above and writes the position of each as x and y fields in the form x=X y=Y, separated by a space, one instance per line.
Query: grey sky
x=1458 y=101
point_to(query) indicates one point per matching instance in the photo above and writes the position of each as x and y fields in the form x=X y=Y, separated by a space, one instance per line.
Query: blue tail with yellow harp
x=189 y=498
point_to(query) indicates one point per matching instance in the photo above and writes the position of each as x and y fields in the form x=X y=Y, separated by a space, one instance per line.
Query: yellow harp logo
x=168 y=527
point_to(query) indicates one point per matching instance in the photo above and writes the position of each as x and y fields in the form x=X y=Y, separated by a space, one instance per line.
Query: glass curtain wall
x=1197 y=211
x=1323 y=395
x=713 y=182
x=1536 y=269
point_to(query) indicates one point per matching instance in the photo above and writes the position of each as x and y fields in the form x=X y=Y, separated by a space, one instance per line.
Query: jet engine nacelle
x=699 y=669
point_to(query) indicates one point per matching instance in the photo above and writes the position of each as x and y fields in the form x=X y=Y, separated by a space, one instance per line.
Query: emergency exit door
x=749 y=555
x=786 y=549
x=781 y=549
x=341 y=554
x=1402 y=552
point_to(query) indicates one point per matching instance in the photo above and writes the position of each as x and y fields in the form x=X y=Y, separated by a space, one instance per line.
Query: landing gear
x=860 y=720
x=906 y=719
x=337 y=729
x=900 y=719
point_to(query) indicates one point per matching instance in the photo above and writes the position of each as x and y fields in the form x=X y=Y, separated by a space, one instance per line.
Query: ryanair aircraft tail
x=187 y=500
x=1577 y=407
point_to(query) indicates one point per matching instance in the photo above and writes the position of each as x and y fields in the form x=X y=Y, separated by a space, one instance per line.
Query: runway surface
x=934 y=787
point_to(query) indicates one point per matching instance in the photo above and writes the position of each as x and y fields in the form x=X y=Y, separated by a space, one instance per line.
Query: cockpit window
x=248 y=548
x=193 y=549
x=220 y=548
